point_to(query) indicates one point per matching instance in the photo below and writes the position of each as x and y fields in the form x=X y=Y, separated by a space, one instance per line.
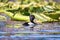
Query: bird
x=30 y=24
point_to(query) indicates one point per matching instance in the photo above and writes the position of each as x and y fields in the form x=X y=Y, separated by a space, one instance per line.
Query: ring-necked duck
x=30 y=24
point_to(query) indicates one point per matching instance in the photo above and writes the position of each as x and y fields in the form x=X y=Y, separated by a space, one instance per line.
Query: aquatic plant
x=47 y=11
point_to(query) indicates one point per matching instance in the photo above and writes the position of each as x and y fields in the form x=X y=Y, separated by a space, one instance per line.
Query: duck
x=30 y=24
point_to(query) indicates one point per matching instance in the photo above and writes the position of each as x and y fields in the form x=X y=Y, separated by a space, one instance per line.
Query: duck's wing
x=25 y=24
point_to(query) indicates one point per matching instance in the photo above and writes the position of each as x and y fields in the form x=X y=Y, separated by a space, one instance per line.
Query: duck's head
x=32 y=17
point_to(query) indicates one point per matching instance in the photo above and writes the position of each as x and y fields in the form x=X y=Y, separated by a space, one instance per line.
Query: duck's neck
x=33 y=22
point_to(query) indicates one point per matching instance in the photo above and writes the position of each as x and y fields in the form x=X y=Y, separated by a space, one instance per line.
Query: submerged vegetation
x=21 y=9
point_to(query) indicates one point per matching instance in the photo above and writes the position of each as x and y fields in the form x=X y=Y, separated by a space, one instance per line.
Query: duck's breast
x=31 y=24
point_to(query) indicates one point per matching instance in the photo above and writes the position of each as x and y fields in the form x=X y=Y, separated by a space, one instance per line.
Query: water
x=32 y=37
x=45 y=31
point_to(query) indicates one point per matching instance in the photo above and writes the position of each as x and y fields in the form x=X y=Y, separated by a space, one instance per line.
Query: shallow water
x=26 y=34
